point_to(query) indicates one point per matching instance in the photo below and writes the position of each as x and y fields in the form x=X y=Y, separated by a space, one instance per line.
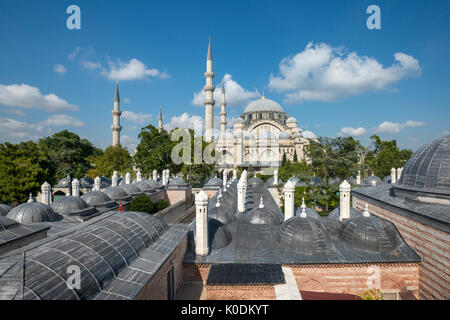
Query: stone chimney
x=225 y=178
x=399 y=174
x=201 y=224
x=241 y=186
x=275 y=177
x=128 y=178
x=393 y=175
x=46 y=190
x=289 y=190
x=358 y=178
x=97 y=184
x=75 y=188
x=344 y=206
x=114 y=179
x=155 y=175
x=139 y=176
x=234 y=174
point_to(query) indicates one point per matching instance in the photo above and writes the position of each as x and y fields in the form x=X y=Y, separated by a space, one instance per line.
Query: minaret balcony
x=116 y=128
x=209 y=87
x=209 y=74
x=209 y=101
x=117 y=113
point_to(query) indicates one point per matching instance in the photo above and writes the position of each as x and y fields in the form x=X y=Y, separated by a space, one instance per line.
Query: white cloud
x=129 y=142
x=446 y=132
x=396 y=127
x=185 y=121
x=25 y=96
x=354 y=132
x=62 y=120
x=235 y=95
x=136 y=117
x=59 y=68
x=132 y=70
x=91 y=65
x=309 y=134
x=126 y=100
x=323 y=73
x=14 y=131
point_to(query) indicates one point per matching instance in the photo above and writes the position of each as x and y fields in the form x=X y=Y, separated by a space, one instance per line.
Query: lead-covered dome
x=4 y=209
x=372 y=181
x=261 y=105
x=97 y=199
x=116 y=194
x=264 y=215
x=71 y=205
x=131 y=189
x=218 y=234
x=32 y=212
x=428 y=170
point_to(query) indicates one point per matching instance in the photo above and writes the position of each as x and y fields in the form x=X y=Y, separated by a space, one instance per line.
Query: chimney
x=97 y=184
x=234 y=174
x=344 y=206
x=75 y=188
x=393 y=175
x=139 y=176
x=399 y=174
x=358 y=178
x=46 y=190
x=155 y=175
x=275 y=177
x=241 y=186
x=289 y=190
x=115 y=179
x=128 y=178
x=201 y=224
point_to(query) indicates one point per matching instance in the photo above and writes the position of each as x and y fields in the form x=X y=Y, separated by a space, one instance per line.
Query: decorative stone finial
x=261 y=204
x=366 y=212
x=30 y=199
x=303 y=213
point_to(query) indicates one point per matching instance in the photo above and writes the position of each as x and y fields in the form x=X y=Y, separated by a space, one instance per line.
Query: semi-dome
x=131 y=189
x=291 y=120
x=116 y=194
x=369 y=234
x=304 y=235
x=4 y=209
x=262 y=105
x=97 y=199
x=372 y=181
x=32 y=212
x=426 y=175
x=71 y=205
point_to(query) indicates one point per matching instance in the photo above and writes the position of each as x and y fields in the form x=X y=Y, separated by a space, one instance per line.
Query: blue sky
x=394 y=81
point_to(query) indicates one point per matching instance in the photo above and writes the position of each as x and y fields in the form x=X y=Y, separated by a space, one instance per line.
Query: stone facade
x=431 y=244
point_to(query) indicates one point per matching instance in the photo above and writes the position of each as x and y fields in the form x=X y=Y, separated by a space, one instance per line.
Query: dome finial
x=303 y=214
x=31 y=199
x=263 y=96
x=218 y=203
x=366 y=212
x=261 y=204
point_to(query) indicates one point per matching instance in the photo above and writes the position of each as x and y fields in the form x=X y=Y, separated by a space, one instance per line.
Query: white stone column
x=128 y=178
x=234 y=174
x=97 y=183
x=358 y=178
x=167 y=176
x=155 y=175
x=393 y=175
x=75 y=188
x=225 y=179
x=46 y=190
x=275 y=177
x=344 y=206
x=114 y=179
x=399 y=173
x=289 y=191
x=139 y=176
x=201 y=224
x=241 y=186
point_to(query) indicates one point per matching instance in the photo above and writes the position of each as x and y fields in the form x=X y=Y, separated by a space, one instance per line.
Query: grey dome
x=373 y=181
x=131 y=189
x=86 y=182
x=315 y=180
x=222 y=214
x=297 y=181
x=291 y=120
x=4 y=209
x=310 y=213
x=177 y=182
x=336 y=213
x=71 y=205
x=264 y=216
x=369 y=234
x=97 y=199
x=269 y=183
x=64 y=183
x=144 y=186
x=387 y=179
x=214 y=182
x=33 y=212
x=116 y=194
x=263 y=105
x=255 y=182
x=304 y=235
x=218 y=234
x=429 y=168
x=284 y=135
x=6 y=223
x=105 y=182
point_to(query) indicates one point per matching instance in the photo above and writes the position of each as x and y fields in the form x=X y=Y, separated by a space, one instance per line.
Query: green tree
x=23 y=169
x=67 y=154
x=162 y=204
x=142 y=204
x=113 y=159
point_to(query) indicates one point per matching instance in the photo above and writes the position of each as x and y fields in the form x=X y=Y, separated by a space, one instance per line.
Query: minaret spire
x=223 y=113
x=160 y=120
x=116 y=127
x=209 y=97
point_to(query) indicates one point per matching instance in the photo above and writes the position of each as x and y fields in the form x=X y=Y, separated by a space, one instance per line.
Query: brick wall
x=431 y=244
x=176 y=195
x=240 y=293
x=157 y=196
x=210 y=193
x=156 y=288
x=352 y=278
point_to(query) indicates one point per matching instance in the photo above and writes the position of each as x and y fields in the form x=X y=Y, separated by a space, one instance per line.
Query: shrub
x=372 y=294
x=162 y=204
x=142 y=204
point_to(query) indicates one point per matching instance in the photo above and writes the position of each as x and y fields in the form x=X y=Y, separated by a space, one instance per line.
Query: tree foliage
x=113 y=159
x=142 y=204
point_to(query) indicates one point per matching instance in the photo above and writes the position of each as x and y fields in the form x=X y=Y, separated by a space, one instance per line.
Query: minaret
x=116 y=127
x=160 y=120
x=209 y=97
x=223 y=114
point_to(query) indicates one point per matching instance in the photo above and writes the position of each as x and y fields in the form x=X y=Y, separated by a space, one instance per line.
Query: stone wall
x=175 y=195
x=432 y=245
x=240 y=293
x=156 y=288
x=159 y=195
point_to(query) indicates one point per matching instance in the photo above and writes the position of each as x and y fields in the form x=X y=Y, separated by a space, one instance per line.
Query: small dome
x=310 y=213
x=315 y=181
x=298 y=134
x=32 y=212
x=387 y=179
x=218 y=234
x=264 y=216
x=239 y=120
x=261 y=105
x=6 y=223
x=71 y=205
x=297 y=182
x=269 y=183
x=143 y=186
x=291 y=120
x=64 y=183
x=131 y=189
x=373 y=181
x=4 y=209
x=255 y=182
x=214 y=182
x=284 y=135
x=304 y=235
x=334 y=181
x=105 y=182
x=369 y=234
x=97 y=199
x=116 y=194
x=86 y=182
x=177 y=182
x=222 y=214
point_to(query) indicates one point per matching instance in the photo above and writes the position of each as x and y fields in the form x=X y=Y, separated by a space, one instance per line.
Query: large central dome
x=263 y=104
